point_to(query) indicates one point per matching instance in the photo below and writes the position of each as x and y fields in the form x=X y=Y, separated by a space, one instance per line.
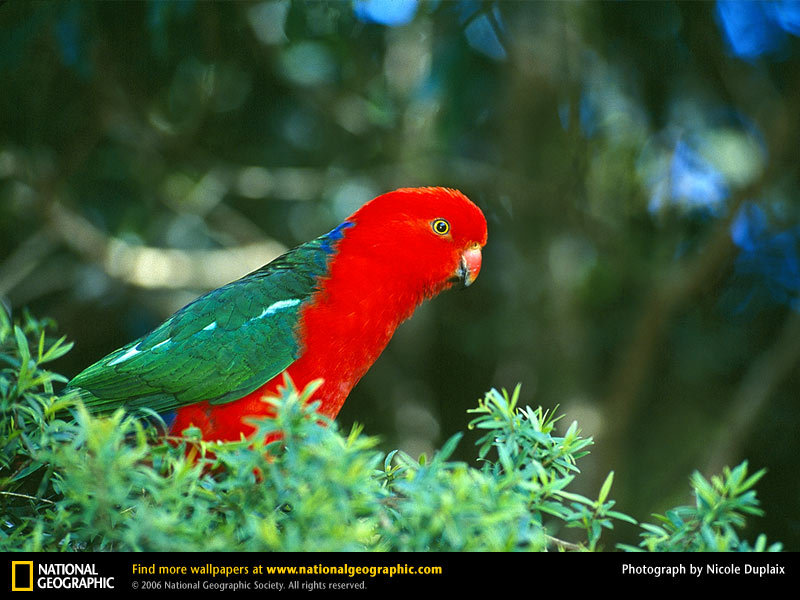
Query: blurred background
x=637 y=164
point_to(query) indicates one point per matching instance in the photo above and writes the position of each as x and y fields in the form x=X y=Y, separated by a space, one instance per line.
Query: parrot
x=324 y=310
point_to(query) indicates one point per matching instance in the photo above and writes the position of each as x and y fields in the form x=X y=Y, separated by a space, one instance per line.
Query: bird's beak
x=470 y=265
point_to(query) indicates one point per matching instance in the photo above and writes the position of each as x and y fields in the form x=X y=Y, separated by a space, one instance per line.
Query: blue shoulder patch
x=336 y=234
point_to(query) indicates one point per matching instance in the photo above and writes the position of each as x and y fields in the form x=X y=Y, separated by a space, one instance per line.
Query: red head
x=391 y=254
x=430 y=237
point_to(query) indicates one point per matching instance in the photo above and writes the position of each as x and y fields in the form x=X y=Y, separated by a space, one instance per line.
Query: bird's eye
x=440 y=226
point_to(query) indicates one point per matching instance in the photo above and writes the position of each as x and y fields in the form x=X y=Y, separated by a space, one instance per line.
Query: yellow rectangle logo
x=18 y=567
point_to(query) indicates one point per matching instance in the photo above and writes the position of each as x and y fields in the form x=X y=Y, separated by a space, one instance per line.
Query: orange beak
x=469 y=265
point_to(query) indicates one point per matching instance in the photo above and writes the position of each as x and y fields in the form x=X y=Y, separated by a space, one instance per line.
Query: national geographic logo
x=26 y=577
x=21 y=575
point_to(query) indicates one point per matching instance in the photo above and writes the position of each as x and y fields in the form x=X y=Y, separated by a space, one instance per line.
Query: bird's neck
x=348 y=323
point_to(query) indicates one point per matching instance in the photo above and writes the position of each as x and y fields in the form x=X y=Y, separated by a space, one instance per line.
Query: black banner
x=365 y=574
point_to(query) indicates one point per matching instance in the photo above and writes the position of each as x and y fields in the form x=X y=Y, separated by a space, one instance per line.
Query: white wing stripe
x=129 y=354
x=276 y=306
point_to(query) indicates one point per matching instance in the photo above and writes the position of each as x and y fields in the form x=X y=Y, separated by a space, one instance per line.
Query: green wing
x=220 y=347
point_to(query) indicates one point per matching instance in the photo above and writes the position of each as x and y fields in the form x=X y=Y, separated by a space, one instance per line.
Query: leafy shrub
x=114 y=483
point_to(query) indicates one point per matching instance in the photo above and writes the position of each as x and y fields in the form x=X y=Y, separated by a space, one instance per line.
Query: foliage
x=27 y=416
x=115 y=483
x=710 y=525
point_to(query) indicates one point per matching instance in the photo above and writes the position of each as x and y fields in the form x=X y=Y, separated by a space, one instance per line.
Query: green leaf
x=606 y=488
